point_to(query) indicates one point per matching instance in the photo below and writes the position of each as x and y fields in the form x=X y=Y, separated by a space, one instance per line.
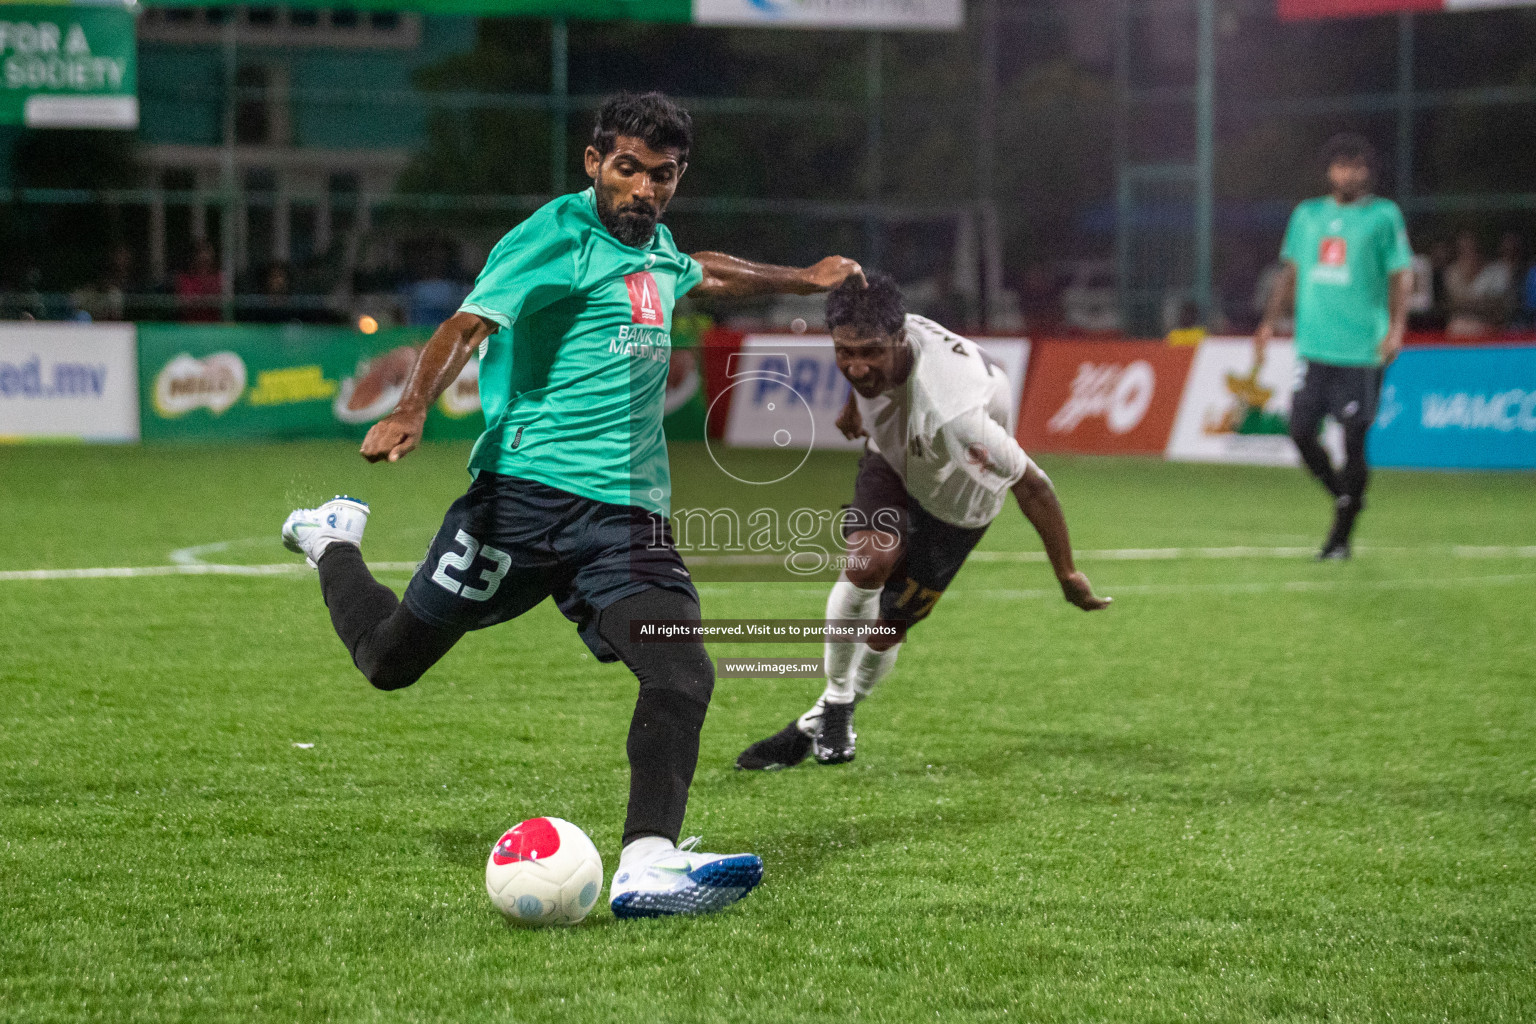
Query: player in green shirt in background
x=1349 y=266
x=572 y=320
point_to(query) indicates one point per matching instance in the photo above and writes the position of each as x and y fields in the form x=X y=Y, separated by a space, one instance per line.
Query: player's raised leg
x=388 y=644
x=655 y=876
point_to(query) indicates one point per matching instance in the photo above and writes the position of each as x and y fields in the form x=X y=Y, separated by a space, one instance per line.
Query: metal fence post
x=559 y=103
x=1205 y=160
x=874 y=92
x=1405 y=59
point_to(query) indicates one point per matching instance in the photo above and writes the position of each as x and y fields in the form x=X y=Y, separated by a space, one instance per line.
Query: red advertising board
x=1102 y=397
x=1296 y=10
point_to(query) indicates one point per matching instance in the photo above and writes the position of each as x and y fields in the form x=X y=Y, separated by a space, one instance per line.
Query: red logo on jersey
x=1332 y=252
x=530 y=840
x=644 y=299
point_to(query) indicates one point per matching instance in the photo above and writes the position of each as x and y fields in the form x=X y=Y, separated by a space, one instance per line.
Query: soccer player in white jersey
x=938 y=465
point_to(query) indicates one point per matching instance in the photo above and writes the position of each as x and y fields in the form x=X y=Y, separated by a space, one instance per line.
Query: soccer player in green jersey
x=571 y=318
x=1348 y=264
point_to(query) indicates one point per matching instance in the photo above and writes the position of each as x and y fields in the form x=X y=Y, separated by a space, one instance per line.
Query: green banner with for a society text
x=68 y=67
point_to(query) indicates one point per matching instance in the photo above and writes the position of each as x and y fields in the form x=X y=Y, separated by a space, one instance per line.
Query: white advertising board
x=785 y=391
x=931 y=15
x=69 y=382
x=1229 y=414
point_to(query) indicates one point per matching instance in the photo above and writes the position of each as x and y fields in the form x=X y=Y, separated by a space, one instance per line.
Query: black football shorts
x=1349 y=394
x=931 y=550
x=509 y=543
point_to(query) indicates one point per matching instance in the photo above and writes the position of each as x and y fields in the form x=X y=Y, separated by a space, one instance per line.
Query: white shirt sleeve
x=985 y=451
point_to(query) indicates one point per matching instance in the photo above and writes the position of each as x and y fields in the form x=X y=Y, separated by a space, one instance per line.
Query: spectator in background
x=435 y=294
x=1505 y=277
x=273 y=305
x=948 y=305
x=1421 y=303
x=1528 y=300
x=200 y=287
x=26 y=302
x=1434 y=265
x=1477 y=292
x=105 y=298
x=1040 y=297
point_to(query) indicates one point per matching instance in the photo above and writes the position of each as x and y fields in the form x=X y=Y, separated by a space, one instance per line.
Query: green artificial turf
x=1257 y=788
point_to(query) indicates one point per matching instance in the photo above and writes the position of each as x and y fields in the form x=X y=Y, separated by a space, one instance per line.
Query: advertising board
x=1103 y=398
x=68 y=382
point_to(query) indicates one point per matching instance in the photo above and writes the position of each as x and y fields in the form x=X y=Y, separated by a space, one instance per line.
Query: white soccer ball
x=544 y=871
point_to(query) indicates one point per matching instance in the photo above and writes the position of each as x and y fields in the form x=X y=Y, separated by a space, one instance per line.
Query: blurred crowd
x=422 y=286
x=1463 y=288
x=1468 y=294
x=1459 y=288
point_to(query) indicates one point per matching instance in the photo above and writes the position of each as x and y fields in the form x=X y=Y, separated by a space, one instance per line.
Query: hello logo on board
x=214 y=382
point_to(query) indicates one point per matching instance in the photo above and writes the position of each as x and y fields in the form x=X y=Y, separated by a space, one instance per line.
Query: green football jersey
x=1345 y=256
x=573 y=384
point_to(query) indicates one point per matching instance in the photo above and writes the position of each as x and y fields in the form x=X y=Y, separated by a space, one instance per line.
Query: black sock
x=357 y=602
x=1315 y=457
x=1346 y=510
x=388 y=644
x=676 y=681
x=1352 y=480
x=663 y=750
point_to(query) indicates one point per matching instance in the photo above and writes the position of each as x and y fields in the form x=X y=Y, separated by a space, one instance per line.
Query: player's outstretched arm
x=727 y=277
x=438 y=366
x=1037 y=500
x=1280 y=295
x=1400 y=296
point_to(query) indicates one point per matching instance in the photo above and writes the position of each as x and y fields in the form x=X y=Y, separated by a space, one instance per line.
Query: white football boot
x=309 y=531
x=679 y=880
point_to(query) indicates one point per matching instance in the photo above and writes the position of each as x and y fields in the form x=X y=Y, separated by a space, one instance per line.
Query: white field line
x=720 y=590
x=1169 y=554
x=1176 y=589
x=188 y=562
x=1279 y=587
x=194 y=555
x=198 y=569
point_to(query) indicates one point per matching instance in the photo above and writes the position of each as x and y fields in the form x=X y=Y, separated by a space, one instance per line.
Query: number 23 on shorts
x=491 y=578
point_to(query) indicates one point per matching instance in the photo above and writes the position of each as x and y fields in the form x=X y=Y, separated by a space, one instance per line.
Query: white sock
x=846 y=601
x=869 y=667
x=642 y=849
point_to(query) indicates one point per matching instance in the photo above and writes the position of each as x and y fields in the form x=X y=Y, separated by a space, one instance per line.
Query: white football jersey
x=945 y=428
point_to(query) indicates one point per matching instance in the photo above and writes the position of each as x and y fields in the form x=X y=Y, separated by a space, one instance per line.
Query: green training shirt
x=1345 y=257
x=573 y=384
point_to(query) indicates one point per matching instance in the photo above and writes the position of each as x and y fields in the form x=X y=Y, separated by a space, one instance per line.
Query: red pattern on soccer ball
x=528 y=840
